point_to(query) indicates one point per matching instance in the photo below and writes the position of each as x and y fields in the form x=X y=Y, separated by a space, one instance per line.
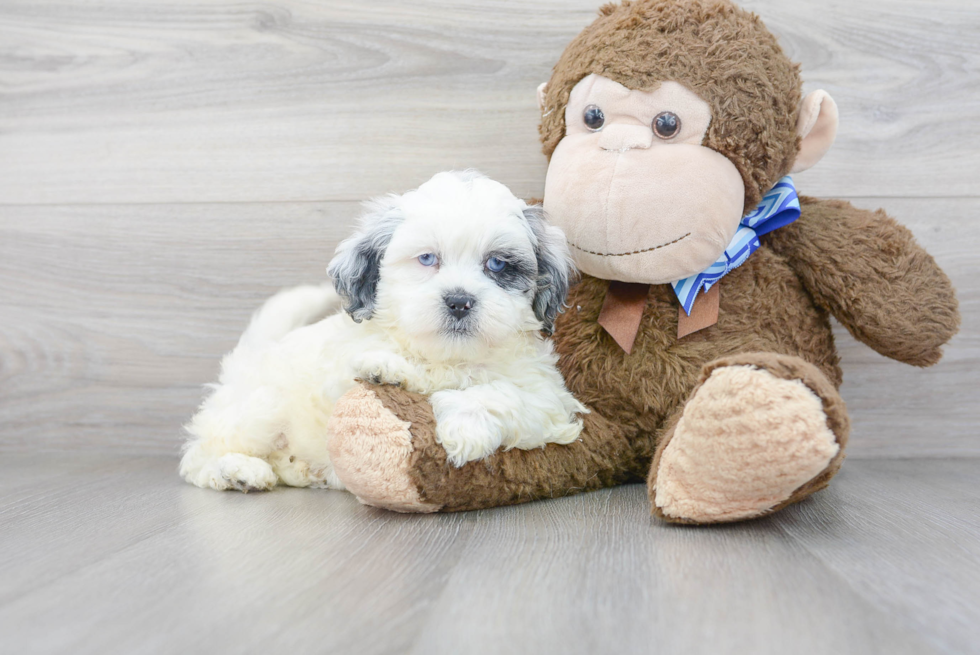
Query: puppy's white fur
x=490 y=373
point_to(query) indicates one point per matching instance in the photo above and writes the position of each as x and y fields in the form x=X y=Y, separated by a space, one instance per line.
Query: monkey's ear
x=356 y=268
x=817 y=128
x=542 y=90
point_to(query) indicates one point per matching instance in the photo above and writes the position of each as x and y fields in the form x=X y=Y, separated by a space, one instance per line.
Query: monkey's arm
x=868 y=271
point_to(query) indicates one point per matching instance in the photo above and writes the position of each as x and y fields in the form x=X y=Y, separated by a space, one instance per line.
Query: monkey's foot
x=371 y=450
x=751 y=439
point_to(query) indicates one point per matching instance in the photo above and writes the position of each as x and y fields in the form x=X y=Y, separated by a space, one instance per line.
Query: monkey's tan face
x=638 y=196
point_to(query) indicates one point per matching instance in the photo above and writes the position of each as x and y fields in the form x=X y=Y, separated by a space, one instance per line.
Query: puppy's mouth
x=458 y=328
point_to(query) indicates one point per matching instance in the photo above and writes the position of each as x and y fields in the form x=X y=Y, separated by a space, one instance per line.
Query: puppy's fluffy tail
x=243 y=413
x=290 y=309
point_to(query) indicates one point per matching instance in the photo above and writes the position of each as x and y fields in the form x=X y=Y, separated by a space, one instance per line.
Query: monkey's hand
x=869 y=272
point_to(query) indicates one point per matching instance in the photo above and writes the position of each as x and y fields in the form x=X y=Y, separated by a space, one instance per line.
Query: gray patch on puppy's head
x=356 y=268
x=556 y=271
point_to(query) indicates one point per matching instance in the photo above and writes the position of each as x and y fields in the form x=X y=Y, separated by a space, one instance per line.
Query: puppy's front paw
x=464 y=427
x=241 y=472
x=379 y=367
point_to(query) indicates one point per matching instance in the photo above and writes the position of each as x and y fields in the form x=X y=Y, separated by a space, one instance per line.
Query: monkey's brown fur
x=859 y=266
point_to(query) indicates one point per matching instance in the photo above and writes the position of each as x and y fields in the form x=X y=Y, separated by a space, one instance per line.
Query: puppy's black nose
x=459 y=304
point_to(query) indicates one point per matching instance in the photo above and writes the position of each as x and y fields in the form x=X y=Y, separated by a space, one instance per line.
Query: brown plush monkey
x=666 y=122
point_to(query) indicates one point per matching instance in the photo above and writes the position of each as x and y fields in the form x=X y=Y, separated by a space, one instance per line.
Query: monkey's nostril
x=459 y=304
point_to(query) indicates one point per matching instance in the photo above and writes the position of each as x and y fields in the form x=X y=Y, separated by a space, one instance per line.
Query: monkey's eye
x=428 y=259
x=495 y=264
x=594 y=118
x=666 y=125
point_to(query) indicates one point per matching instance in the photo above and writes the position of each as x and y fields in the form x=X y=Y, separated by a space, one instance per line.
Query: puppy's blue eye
x=496 y=264
x=428 y=259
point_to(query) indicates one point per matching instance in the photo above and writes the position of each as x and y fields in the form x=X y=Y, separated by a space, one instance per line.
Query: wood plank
x=134 y=101
x=905 y=536
x=596 y=574
x=125 y=558
x=893 y=68
x=112 y=317
x=141 y=562
x=39 y=509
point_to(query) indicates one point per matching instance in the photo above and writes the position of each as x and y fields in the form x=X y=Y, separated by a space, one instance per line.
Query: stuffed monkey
x=699 y=336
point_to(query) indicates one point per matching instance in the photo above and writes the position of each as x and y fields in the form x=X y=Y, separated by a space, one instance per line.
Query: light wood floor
x=113 y=554
x=165 y=165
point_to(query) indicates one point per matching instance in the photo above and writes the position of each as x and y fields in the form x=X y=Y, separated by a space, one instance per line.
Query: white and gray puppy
x=446 y=290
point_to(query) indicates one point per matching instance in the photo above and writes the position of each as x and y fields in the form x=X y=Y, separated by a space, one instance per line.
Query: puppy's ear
x=356 y=268
x=555 y=268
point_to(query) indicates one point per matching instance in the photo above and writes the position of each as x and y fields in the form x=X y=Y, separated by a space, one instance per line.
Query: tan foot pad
x=745 y=442
x=371 y=450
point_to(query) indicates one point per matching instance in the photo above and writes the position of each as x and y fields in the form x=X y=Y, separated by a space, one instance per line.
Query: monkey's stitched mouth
x=634 y=252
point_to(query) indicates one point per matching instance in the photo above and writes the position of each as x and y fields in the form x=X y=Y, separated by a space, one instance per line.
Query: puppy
x=446 y=291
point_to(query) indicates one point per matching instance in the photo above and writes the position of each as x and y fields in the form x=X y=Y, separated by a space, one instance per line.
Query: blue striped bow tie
x=779 y=207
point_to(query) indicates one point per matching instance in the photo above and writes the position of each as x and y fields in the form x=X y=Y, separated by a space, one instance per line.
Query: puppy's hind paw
x=241 y=472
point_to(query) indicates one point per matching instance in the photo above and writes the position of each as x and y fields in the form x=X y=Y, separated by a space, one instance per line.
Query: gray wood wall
x=166 y=165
